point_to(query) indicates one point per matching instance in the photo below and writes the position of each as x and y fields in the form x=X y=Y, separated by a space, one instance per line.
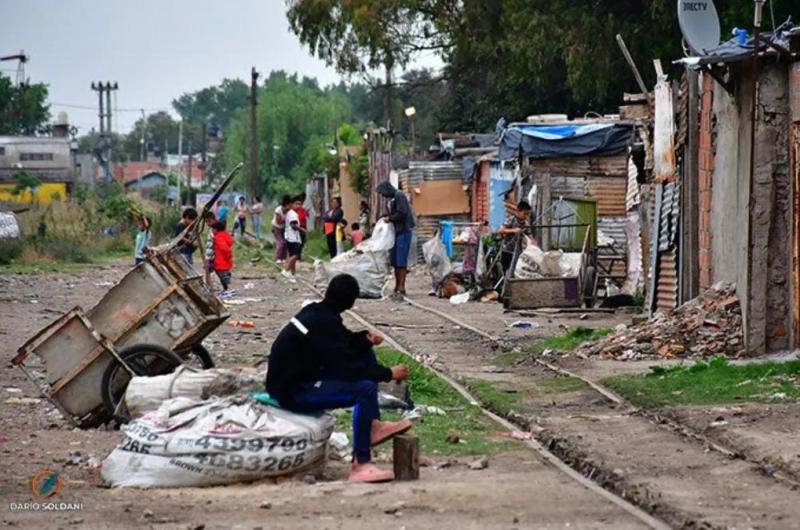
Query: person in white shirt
x=278 y=228
x=294 y=240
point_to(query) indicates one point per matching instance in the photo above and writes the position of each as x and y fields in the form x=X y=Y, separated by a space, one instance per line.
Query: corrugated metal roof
x=613 y=227
x=427 y=170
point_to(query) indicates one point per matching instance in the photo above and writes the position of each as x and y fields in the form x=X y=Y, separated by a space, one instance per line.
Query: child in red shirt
x=356 y=234
x=223 y=256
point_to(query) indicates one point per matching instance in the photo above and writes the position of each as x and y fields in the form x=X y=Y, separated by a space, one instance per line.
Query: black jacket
x=400 y=212
x=316 y=345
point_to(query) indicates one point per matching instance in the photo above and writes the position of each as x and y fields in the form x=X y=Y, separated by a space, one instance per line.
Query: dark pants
x=224 y=279
x=505 y=259
x=329 y=394
x=241 y=222
x=331 y=238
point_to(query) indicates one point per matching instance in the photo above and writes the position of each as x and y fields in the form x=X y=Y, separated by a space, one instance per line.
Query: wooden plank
x=654 y=233
x=441 y=197
x=690 y=216
x=406 y=457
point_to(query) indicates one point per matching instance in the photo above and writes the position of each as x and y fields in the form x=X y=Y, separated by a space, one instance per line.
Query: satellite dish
x=699 y=24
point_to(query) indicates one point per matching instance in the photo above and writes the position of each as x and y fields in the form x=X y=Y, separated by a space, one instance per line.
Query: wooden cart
x=150 y=322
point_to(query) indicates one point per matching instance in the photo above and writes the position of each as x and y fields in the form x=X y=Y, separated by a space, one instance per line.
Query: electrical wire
x=89 y=107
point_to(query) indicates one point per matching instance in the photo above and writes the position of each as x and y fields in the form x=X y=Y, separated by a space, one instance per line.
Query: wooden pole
x=406 y=457
x=254 y=184
x=632 y=64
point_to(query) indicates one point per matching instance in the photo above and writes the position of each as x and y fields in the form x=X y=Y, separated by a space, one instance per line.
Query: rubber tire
x=203 y=355
x=168 y=356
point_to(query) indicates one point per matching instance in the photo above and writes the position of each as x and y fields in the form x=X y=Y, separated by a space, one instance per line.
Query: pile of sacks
x=201 y=428
x=708 y=325
x=533 y=263
x=368 y=263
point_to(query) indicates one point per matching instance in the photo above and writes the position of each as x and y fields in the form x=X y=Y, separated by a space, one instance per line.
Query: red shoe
x=383 y=430
x=369 y=473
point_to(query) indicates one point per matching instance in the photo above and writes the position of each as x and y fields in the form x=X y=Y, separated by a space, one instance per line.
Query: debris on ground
x=708 y=325
x=481 y=463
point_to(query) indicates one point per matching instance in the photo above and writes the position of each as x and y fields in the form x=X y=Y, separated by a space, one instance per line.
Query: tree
x=215 y=104
x=356 y=36
x=23 y=110
x=159 y=130
x=293 y=114
x=25 y=182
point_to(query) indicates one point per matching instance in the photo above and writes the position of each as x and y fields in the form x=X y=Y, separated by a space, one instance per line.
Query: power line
x=87 y=107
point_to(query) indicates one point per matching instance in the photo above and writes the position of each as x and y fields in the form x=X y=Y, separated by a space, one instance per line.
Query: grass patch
x=496 y=398
x=709 y=383
x=559 y=385
x=569 y=340
x=474 y=430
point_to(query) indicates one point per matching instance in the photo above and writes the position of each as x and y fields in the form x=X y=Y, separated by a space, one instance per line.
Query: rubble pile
x=708 y=325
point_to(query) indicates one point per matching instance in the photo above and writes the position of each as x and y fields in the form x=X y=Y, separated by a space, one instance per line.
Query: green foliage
x=215 y=104
x=711 y=382
x=23 y=110
x=349 y=135
x=466 y=421
x=359 y=174
x=296 y=120
x=10 y=249
x=569 y=340
x=24 y=183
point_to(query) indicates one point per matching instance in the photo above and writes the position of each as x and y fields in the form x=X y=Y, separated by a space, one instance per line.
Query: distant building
x=148 y=181
x=46 y=158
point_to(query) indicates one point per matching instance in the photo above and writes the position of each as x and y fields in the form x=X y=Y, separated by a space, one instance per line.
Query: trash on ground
x=708 y=325
x=481 y=463
x=190 y=442
x=425 y=359
x=21 y=401
x=523 y=324
x=457 y=299
x=241 y=323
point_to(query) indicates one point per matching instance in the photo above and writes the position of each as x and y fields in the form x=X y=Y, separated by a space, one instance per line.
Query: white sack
x=188 y=442
x=9 y=228
x=370 y=269
x=145 y=394
x=437 y=264
x=382 y=239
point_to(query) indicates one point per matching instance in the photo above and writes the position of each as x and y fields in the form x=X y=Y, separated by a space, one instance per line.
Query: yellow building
x=47 y=158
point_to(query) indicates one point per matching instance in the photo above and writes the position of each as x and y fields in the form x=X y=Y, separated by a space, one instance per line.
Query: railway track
x=530 y=441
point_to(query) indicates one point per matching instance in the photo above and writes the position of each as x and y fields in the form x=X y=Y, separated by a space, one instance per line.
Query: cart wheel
x=197 y=357
x=143 y=359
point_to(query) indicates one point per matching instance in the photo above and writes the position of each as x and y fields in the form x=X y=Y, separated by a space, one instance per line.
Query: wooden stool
x=406 y=457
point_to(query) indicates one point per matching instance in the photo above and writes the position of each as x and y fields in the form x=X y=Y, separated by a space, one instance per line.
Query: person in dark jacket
x=187 y=246
x=331 y=220
x=316 y=363
x=402 y=217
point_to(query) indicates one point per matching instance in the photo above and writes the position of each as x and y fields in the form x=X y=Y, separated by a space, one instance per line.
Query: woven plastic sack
x=188 y=442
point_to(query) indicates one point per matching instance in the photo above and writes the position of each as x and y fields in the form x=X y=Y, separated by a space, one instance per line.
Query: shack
x=577 y=170
x=736 y=148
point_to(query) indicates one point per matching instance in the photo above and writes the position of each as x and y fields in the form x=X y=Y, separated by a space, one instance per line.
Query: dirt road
x=517 y=490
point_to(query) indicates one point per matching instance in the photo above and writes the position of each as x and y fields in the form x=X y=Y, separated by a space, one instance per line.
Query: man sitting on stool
x=316 y=363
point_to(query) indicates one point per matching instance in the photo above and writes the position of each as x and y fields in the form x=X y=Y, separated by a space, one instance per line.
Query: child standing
x=223 y=257
x=340 y=236
x=186 y=247
x=142 y=240
x=356 y=234
x=294 y=240
x=208 y=254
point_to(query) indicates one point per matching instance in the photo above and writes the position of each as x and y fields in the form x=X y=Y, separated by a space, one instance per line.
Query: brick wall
x=706 y=170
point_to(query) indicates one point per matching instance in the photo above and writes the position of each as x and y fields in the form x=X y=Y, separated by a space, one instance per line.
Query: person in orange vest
x=332 y=218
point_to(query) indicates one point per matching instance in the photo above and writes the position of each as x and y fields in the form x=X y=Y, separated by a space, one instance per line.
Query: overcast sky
x=154 y=49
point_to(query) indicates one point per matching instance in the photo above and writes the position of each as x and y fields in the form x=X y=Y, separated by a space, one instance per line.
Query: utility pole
x=180 y=160
x=189 y=165
x=141 y=140
x=204 y=146
x=105 y=126
x=254 y=184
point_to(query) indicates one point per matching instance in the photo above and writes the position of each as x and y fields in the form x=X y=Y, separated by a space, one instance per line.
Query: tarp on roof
x=564 y=140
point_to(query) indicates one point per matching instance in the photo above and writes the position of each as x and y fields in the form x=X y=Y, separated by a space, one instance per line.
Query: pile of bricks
x=706 y=326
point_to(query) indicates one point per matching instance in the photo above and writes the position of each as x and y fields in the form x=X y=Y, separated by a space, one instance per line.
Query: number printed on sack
x=223 y=443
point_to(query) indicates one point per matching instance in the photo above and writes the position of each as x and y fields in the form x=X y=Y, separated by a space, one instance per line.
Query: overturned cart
x=149 y=323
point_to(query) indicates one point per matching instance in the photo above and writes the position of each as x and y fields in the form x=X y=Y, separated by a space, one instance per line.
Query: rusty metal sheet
x=431 y=170
x=667 y=287
x=583 y=166
x=610 y=194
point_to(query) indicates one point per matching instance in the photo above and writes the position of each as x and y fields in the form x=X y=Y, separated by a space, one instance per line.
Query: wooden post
x=406 y=457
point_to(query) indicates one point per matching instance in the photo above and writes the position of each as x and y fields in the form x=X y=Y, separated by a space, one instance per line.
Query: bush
x=10 y=249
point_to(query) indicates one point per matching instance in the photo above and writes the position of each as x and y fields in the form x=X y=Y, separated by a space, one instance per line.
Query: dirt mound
x=708 y=325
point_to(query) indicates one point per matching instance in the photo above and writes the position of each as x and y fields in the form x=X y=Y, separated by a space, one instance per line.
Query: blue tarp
x=556 y=141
